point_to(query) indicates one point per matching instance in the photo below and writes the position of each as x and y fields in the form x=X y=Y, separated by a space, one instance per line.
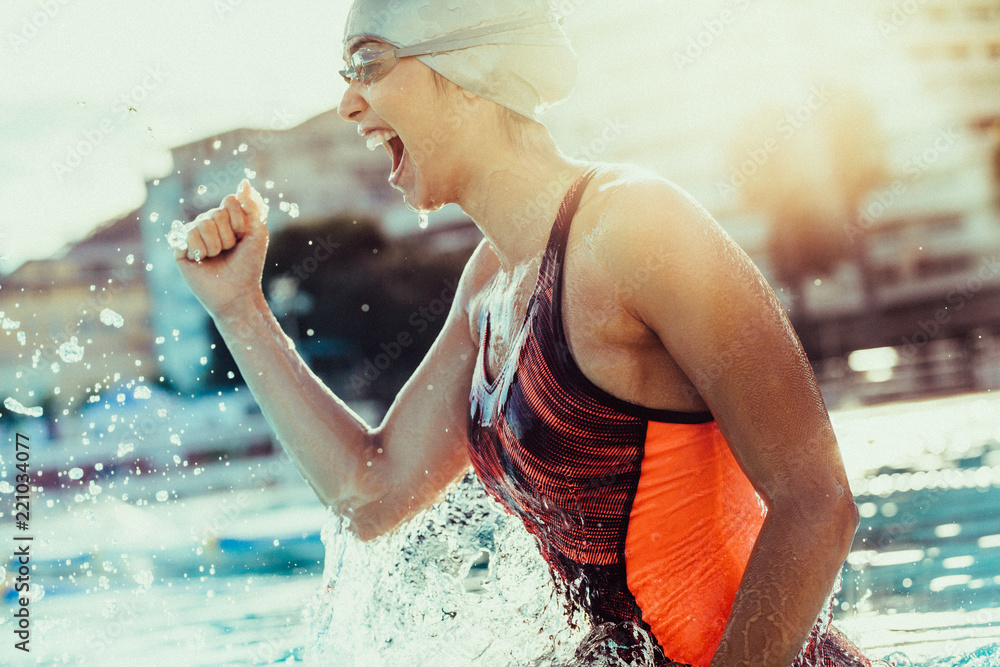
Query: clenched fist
x=221 y=256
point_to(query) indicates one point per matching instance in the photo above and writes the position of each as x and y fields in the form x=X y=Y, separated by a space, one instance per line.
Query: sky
x=93 y=94
x=73 y=154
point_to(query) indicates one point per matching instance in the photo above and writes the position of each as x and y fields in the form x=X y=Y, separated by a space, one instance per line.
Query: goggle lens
x=368 y=65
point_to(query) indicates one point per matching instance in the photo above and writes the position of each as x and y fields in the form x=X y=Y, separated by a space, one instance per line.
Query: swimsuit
x=645 y=511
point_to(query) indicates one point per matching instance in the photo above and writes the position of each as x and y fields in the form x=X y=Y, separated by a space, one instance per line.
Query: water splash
x=418 y=597
x=422 y=216
x=178 y=235
x=14 y=405
x=111 y=318
x=71 y=351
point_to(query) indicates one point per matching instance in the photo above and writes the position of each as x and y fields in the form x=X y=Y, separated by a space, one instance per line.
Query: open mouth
x=394 y=146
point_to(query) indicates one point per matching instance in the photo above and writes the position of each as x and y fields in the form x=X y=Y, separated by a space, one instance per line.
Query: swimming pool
x=242 y=577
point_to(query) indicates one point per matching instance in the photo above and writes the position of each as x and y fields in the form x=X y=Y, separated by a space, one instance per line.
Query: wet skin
x=661 y=308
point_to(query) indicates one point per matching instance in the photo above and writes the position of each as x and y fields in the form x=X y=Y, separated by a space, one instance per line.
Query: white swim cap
x=513 y=52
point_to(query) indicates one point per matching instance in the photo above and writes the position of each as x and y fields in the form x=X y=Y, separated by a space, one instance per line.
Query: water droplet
x=216 y=144
x=154 y=216
x=142 y=392
x=178 y=235
x=70 y=352
x=111 y=318
x=202 y=189
x=242 y=148
x=162 y=496
x=14 y=405
x=75 y=473
x=130 y=259
x=422 y=218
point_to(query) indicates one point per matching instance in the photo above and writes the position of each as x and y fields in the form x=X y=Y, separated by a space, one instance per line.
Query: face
x=403 y=111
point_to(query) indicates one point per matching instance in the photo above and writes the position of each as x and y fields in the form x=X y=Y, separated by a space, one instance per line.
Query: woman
x=628 y=384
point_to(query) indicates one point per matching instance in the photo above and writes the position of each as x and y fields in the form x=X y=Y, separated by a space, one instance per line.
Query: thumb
x=251 y=202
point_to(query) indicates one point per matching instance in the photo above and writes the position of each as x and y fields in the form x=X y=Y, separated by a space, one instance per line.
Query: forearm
x=329 y=443
x=788 y=578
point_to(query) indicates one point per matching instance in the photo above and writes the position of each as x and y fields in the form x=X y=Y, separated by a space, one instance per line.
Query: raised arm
x=378 y=476
x=721 y=322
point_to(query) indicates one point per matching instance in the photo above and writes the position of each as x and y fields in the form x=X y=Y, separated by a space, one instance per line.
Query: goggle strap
x=464 y=39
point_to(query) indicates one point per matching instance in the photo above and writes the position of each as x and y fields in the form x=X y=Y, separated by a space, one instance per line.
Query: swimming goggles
x=370 y=63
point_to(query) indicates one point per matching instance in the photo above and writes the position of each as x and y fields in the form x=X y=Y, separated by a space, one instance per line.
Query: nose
x=353 y=104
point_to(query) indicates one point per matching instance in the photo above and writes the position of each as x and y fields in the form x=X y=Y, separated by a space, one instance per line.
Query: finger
x=209 y=228
x=252 y=202
x=237 y=219
x=196 y=250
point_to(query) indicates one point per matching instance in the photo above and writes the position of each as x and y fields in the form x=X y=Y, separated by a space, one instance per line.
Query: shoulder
x=638 y=222
x=628 y=197
x=479 y=271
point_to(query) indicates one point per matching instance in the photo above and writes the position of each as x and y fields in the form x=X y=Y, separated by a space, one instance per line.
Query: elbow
x=839 y=522
x=850 y=521
x=833 y=517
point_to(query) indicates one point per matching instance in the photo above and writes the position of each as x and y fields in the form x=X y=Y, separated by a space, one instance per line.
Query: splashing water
x=290 y=208
x=71 y=351
x=14 y=405
x=178 y=235
x=111 y=318
x=416 y=598
x=422 y=216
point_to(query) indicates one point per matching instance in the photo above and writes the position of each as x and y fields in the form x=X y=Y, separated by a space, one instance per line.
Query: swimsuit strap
x=556 y=247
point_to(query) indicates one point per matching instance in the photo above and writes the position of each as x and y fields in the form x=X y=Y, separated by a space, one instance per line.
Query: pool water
x=267 y=576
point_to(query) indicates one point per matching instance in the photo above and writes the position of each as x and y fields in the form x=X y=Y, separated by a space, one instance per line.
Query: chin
x=421 y=197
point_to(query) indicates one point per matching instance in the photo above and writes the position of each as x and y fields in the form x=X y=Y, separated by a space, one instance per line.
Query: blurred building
x=307 y=172
x=94 y=293
x=880 y=121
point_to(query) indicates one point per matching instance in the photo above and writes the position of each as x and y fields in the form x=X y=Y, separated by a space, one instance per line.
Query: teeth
x=379 y=137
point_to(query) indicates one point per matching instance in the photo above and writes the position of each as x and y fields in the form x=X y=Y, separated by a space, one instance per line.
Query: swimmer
x=614 y=368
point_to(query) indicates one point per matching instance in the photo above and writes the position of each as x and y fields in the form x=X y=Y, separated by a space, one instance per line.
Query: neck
x=514 y=193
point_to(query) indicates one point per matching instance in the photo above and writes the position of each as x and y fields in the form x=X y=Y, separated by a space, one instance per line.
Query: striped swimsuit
x=646 y=509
